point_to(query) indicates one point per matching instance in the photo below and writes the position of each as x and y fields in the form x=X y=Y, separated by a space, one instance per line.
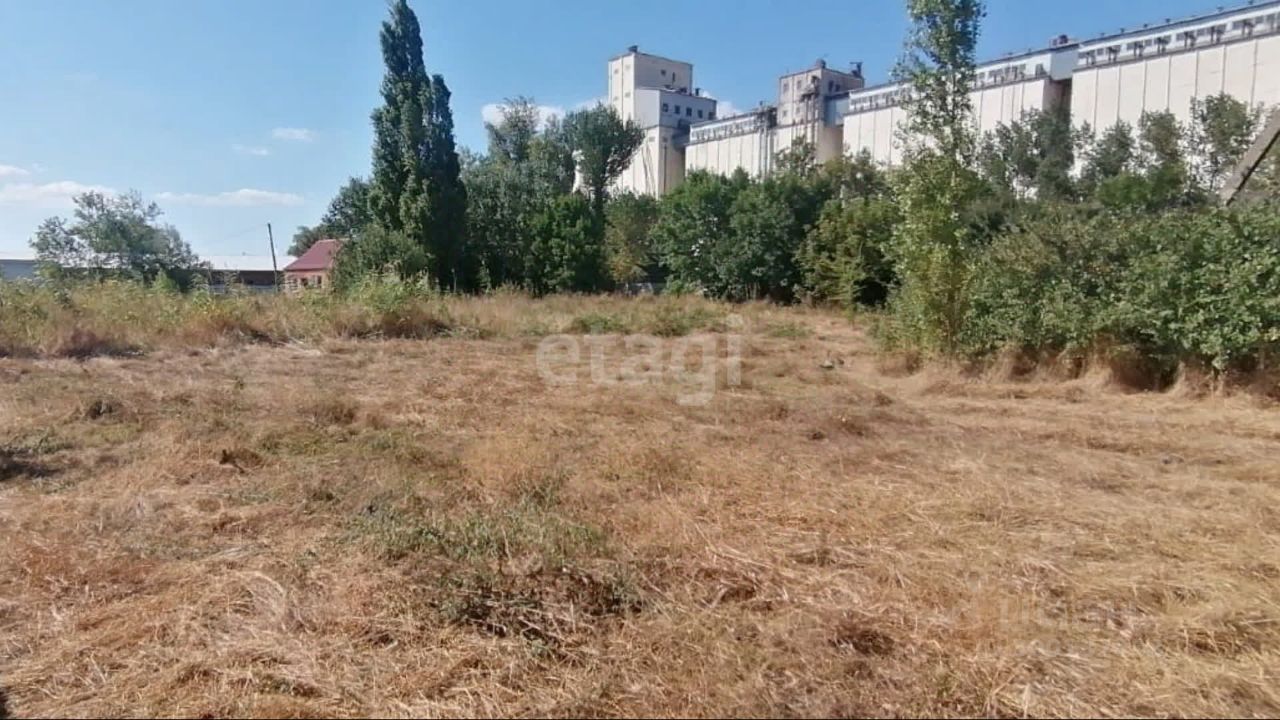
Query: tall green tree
x=603 y=145
x=447 y=196
x=114 y=236
x=512 y=135
x=566 y=255
x=527 y=167
x=397 y=196
x=1162 y=156
x=1222 y=128
x=694 y=226
x=1112 y=154
x=1032 y=155
x=415 y=187
x=934 y=247
x=938 y=67
x=629 y=252
x=1149 y=172
x=766 y=224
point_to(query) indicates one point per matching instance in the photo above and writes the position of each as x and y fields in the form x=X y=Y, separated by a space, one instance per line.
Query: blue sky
x=235 y=113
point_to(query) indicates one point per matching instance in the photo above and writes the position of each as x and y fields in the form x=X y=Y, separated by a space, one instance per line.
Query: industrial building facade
x=1103 y=80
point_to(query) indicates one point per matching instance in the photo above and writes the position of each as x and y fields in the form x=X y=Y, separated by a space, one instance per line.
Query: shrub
x=1183 y=286
x=1042 y=286
x=1203 y=286
x=382 y=306
x=629 y=251
x=597 y=323
x=565 y=254
x=377 y=251
x=843 y=257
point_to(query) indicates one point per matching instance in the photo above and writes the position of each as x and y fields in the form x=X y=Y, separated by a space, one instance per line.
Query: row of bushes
x=86 y=318
x=1198 y=286
x=1132 y=256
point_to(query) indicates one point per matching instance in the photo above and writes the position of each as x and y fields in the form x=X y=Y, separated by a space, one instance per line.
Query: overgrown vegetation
x=1186 y=285
x=114 y=237
x=115 y=317
x=1040 y=237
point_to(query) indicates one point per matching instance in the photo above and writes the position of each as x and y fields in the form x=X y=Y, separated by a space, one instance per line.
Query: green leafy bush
x=843 y=257
x=1182 y=286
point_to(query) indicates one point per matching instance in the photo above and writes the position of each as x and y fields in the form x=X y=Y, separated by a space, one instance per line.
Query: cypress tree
x=415 y=186
x=448 y=196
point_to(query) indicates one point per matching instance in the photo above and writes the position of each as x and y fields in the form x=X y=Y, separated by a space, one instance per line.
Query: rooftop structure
x=314 y=268
x=658 y=94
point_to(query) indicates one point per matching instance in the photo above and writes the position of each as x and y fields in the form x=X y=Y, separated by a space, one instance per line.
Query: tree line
x=1038 y=236
x=1000 y=246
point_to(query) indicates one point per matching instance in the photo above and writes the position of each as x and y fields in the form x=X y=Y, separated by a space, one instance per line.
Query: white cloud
x=588 y=104
x=492 y=113
x=48 y=195
x=724 y=108
x=250 y=150
x=13 y=171
x=244 y=197
x=294 y=134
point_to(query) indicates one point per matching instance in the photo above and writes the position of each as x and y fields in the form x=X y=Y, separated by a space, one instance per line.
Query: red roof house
x=314 y=267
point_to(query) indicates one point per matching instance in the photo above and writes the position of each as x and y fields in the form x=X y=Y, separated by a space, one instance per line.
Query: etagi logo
x=692 y=364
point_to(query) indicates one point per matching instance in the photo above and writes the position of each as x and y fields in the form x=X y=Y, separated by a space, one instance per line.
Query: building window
x=699 y=114
x=677 y=109
x=711 y=115
x=664 y=72
x=666 y=107
x=688 y=112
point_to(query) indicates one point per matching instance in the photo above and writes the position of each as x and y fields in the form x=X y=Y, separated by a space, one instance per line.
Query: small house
x=314 y=268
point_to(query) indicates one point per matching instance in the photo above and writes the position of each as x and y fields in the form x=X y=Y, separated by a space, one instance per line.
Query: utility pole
x=275 y=271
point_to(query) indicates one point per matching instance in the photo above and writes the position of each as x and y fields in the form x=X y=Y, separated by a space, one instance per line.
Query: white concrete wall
x=827 y=141
x=1120 y=78
x=750 y=151
x=878 y=130
x=637 y=70
x=658 y=166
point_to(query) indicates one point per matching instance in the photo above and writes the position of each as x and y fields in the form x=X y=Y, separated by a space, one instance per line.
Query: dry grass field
x=425 y=527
